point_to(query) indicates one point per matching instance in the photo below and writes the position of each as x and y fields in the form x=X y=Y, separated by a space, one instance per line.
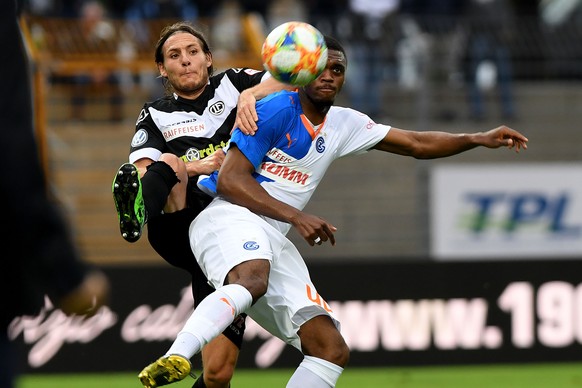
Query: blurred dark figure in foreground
x=39 y=256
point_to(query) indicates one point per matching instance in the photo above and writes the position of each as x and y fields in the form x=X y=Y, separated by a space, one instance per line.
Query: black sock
x=156 y=185
x=199 y=383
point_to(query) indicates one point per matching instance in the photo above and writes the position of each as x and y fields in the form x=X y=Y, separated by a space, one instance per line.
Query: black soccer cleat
x=127 y=195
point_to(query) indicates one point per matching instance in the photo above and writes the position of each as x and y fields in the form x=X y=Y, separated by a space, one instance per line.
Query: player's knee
x=170 y=159
x=175 y=163
x=252 y=275
x=340 y=354
x=319 y=338
x=337 y=353
x=257 y=287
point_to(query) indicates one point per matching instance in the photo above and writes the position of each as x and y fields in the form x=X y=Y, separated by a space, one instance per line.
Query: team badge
x=320 y=145
x=217 y=108
x=251 y=246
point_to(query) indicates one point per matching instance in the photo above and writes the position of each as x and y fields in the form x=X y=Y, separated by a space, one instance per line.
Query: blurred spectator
x=161 y=9
x=431 y=29
x=52 y=8
x=490 y=27
x=260 y=7
x=325 y=15
x=98 y=33
x=138 y=30
x=282 y=11
x=369 y=33
x=40 y=257
x=560 y=27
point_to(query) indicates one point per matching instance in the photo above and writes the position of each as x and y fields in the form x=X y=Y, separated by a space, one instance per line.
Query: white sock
x=315 y=372
x=210 y=318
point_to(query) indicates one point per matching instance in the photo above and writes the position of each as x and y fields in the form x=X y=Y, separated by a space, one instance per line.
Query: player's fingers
x=247 y=126
x=329 y=231
x=254 y=115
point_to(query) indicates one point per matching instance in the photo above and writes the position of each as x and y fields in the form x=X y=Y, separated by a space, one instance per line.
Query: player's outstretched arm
x=436 y=144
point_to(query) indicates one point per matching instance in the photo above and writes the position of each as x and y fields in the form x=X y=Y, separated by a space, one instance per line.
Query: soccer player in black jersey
x=39 y=254
x=178 y=138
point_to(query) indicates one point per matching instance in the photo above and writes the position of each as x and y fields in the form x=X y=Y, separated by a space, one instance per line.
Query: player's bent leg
x=219 y=359
x=321 y=338
x=220 y=356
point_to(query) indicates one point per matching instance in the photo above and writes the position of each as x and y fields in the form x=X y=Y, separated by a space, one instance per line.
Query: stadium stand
x=82 y=155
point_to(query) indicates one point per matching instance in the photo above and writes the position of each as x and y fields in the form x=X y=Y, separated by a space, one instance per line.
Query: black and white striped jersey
x=192 y=129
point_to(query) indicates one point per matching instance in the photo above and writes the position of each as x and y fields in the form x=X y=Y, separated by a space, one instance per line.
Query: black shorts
x=168 y=235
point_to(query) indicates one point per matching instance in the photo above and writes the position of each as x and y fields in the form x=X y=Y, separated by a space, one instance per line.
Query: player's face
x=185 y=64
x=329 y=83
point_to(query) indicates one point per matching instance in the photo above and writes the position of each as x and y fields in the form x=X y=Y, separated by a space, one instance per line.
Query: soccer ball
x=295 y=53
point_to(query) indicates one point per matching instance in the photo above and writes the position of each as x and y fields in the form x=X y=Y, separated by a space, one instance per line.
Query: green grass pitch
x=559 y=375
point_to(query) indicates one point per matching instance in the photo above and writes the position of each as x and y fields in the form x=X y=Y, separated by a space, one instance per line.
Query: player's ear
x=208 y=59
x=162 y=70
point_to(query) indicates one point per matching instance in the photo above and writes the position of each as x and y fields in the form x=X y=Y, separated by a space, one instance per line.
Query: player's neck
x=190 y=94
x=314 y=111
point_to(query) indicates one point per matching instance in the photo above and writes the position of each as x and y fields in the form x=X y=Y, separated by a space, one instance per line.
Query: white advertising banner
x=493 y=211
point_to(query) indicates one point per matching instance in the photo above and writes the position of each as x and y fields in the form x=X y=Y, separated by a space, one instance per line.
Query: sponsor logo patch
x=139 y=138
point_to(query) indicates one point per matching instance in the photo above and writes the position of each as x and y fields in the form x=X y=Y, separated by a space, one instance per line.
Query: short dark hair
x=180 y=27
x=334 y=44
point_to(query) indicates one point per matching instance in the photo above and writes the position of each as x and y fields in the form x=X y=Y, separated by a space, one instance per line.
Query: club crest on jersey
x=320 y=144
x=217 y=108
x=139 y=138
x=251 y=246
x=142 y=115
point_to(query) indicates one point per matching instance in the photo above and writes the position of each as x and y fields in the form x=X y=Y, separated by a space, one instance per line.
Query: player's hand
x=505 y=137
x=314 y=229
x=207 y=165
x=88 y=297
x=246 y=113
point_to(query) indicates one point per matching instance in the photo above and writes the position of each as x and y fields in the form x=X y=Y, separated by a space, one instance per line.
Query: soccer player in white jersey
x=263 y=185
x=178 y=137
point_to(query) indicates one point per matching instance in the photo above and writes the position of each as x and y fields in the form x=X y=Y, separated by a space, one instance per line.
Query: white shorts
x=225 y=235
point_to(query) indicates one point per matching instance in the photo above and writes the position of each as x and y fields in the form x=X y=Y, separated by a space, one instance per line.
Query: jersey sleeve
x=275 y=115
x=147 y=140
x=361 y=133
x=244 y=78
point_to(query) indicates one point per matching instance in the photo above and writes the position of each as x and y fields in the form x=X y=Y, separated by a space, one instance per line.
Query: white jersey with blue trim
x=291 y=156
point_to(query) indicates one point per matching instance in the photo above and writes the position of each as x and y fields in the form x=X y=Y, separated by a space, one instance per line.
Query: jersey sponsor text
x=185 y=130
x=282 y=173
